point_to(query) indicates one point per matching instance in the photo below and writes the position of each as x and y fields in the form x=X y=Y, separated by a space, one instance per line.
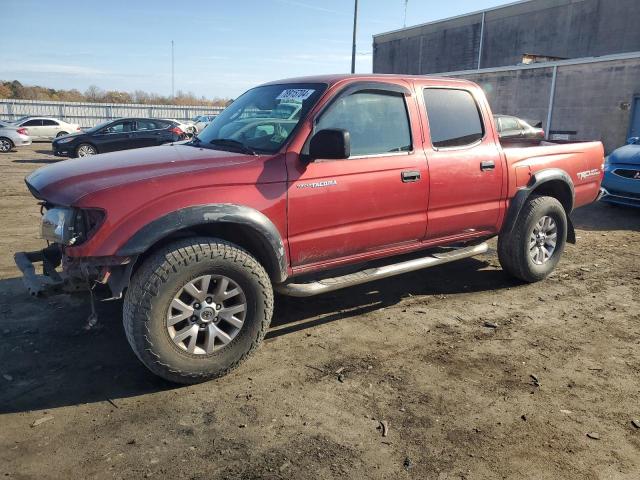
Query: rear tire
x=528 y=252
x=6 y=145
x=168 y=281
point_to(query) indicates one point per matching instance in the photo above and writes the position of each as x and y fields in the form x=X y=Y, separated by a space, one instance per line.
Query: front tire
x=6 y=145
x=61 y=134
x=85 y=150
x=534 y=246
x=196 y=309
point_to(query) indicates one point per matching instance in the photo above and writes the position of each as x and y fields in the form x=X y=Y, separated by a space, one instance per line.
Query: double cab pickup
x=368 y=176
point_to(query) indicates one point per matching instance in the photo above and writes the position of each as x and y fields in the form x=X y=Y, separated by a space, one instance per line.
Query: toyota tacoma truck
x=376 y=176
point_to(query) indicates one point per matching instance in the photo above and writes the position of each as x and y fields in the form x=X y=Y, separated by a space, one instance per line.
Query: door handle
x=410 y=176
x=487 y=165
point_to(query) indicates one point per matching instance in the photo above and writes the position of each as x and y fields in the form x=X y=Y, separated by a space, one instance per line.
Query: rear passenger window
x=147 y=125
x=377 y=122
x=454 y=118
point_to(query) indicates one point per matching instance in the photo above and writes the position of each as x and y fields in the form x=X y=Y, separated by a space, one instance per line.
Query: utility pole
x=353 y=45
x=404 y=23
x=173 y=83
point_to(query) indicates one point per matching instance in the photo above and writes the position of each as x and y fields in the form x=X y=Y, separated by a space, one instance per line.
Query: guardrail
x=88 y=114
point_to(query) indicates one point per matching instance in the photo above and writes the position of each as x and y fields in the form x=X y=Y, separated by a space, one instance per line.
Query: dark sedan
x=514 y=130
x=121 y=134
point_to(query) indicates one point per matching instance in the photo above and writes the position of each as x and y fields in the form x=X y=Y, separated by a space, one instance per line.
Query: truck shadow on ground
x=601 y=217
x=47 y=360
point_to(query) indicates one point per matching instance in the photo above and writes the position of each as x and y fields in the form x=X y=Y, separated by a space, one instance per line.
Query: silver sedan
x=12 y=136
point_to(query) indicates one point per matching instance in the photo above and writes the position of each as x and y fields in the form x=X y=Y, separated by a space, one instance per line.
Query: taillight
x=541 y=133
x=78 y=128
x=22 y=131
x=177 y=131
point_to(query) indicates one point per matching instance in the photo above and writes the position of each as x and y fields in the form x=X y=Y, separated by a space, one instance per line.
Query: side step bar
x=335 y=283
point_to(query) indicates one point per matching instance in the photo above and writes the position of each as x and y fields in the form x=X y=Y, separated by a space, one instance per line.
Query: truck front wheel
x=196 y=309
x=532 y=249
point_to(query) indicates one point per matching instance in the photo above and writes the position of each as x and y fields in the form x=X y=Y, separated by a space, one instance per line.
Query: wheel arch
x=551 y=182
x=238 y=224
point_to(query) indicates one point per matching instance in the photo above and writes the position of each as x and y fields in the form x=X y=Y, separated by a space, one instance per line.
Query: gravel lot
x=459 y=400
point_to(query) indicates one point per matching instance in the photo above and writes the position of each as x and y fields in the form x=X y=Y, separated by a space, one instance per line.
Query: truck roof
x=332 y=79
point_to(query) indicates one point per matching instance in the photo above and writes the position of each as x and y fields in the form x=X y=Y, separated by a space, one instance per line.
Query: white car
x=187 y=127
x=201 y=122
x=46 y=128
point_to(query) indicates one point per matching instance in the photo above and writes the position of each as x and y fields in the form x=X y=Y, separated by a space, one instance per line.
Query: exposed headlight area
x=70 y=226
x=64 y=140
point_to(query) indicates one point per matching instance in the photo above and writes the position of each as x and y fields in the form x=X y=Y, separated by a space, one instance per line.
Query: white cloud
x=53 y=68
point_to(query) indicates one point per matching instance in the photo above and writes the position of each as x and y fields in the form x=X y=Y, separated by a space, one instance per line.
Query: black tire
x=6 y=145
x=513 y=247
x=152 y=290
x=61 y=134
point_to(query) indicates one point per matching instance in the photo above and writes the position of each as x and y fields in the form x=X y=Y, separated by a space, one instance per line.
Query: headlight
x=58 y=225
x=64 y=140
x=69 y=226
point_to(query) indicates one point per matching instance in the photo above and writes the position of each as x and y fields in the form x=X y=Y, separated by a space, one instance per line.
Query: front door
x=116 y=136
x=376 y=198
x=465 y=165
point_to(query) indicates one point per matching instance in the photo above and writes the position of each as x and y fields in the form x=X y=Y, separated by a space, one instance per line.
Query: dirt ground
x=459 y=400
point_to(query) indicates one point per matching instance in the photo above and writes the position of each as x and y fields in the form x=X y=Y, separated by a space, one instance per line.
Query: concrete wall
x=559 y=28
x=592 y=99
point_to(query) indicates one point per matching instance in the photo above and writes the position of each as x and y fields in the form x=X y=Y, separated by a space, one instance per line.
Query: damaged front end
x=63 y=227
x=107 y=275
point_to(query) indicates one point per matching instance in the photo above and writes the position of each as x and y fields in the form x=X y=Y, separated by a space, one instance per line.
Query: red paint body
x=369 y=212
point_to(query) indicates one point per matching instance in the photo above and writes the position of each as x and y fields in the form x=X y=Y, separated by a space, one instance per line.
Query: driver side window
x=377 y=122
x=120 y=127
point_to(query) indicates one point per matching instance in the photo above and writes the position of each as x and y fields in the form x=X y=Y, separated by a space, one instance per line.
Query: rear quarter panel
x=583 y=162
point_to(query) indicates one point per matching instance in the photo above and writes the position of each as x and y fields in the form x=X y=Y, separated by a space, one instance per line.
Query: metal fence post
x=552 y=96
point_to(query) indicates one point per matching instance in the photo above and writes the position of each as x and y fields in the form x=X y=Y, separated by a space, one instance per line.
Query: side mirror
x=633 y=140
x=331 y=143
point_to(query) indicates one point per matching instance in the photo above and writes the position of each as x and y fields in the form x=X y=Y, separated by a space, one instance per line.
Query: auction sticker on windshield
x=295 y=94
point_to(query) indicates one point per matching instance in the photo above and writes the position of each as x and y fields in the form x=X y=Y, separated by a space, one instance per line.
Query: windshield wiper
x=229 y=142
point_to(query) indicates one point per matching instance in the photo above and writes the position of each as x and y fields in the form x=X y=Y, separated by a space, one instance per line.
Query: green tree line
x=16 y=90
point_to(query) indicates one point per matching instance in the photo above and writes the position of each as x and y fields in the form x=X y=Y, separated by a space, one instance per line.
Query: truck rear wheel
x=196 y=309
x=532 y=249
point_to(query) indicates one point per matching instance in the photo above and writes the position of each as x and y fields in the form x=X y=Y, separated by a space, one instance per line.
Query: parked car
x=621 y=183
x=186 y=126
x=121 y=134
x=46 y=128
x=12 y=136
x=201 y=121
x=198 y=235
x=516 y=130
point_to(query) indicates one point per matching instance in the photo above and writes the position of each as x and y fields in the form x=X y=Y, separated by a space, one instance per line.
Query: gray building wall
x=591 y=99
x=558 y=28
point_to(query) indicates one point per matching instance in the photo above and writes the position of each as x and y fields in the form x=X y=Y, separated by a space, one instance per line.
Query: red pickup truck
x=197 y=235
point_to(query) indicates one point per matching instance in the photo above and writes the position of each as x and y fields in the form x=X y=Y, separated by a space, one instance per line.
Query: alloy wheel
x=542 y=241
x=206 y=314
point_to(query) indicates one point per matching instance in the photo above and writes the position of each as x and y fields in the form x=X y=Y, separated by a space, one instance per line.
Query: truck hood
x=629 y=154
x=66 y=182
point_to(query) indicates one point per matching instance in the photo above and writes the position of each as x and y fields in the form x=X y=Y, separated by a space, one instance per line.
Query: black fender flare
x=538 y=179
x=199 y=215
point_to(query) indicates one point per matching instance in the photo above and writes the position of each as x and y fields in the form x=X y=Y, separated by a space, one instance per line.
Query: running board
x=364 y=276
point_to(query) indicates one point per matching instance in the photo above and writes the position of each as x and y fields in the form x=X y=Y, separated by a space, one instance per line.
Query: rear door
x=465 y=164
x=34 y=128
x=373 y=200
x=150 y=132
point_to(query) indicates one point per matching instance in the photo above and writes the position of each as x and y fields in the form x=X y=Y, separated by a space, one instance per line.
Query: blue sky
x=221 y=47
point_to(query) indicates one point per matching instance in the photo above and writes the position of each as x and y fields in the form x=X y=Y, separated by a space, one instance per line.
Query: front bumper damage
x=75 y=274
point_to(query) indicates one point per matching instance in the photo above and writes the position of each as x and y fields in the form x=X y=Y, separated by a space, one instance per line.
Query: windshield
x=99 y=126
x=262 y=119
